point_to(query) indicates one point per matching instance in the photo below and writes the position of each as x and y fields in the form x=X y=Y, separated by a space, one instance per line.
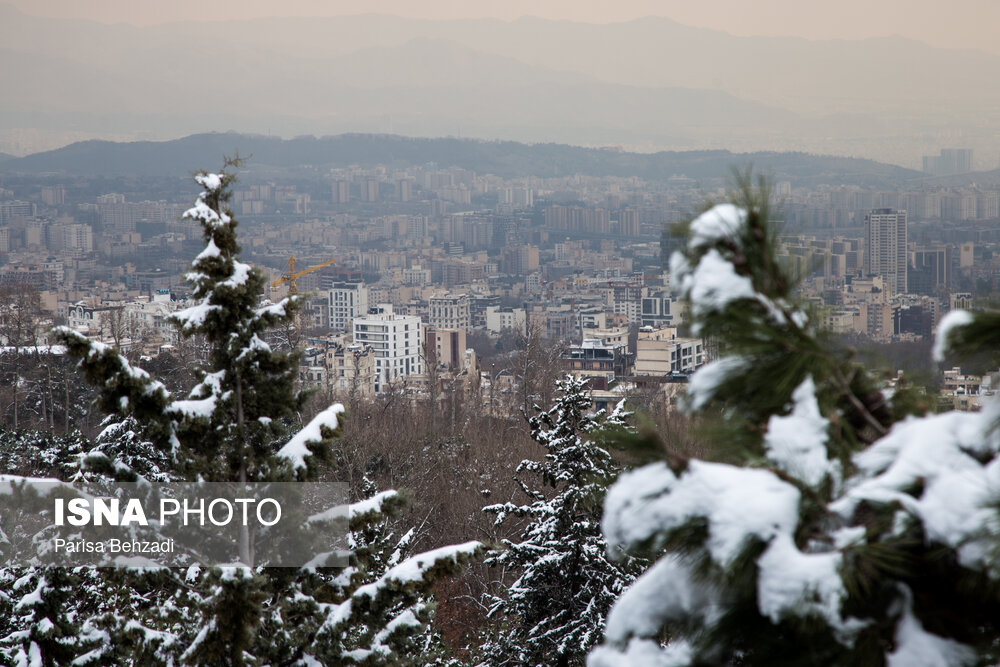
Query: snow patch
x=704 y=383
x=723 y=221
x=665 y=592
x=915 y=647
x=296 y=450
x=209 y=181
x=935 y=453
x=737 y=504
x=797 y=442
x=643 y=653
x=956 y=318
x=796 y=584
x=211 y=250
x=714 y=284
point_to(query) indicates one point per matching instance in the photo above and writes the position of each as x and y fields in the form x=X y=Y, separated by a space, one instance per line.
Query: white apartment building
x=450 y=311
x=396 y=340
x=347 y=301
x=498 y=319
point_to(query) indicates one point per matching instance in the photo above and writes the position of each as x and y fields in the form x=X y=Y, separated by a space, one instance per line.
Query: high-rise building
x=341 y=192
x=396 y=340
x=628 y=222
x=885 y=247
x=53 y=195
x=369 y=190
x=951 y=161
x=347 y=301
x=12 y=209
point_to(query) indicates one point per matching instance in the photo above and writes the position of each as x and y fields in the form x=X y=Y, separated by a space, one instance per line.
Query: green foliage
x=882 y=544
x=554 y=611
x=232 y=427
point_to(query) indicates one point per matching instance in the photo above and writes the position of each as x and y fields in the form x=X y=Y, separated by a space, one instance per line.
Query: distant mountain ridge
x=504 y=158
x=649 y=83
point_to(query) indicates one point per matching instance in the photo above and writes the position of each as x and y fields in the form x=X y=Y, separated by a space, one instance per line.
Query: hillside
x=506 y=158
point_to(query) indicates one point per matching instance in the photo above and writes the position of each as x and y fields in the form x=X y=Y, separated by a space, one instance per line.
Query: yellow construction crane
x=292 y=277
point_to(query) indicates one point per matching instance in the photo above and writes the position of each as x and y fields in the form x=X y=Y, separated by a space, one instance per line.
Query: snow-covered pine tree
x=123 y=454
x=225 y=431
x=566 y=581
x=376 y=548
x=843 y=532
x=40 y=631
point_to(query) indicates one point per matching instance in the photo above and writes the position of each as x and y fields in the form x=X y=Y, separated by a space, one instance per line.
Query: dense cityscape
x=450 y=265
x=524 y=334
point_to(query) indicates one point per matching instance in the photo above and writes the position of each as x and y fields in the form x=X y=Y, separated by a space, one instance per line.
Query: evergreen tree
x=231 y=428
x=44 y=634
x=566 y=582
x=842 y=530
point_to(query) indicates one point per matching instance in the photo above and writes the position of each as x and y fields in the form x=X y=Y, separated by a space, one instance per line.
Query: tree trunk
x=244 y=539
x=66 y=386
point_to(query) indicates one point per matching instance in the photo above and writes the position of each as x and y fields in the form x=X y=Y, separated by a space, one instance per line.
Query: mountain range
x=648 y=84
x=179 y=157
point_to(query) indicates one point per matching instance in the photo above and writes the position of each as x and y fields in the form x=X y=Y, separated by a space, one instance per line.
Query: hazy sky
x=956 y=23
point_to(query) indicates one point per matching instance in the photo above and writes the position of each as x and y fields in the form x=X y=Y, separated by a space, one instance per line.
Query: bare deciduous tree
x=20 y=319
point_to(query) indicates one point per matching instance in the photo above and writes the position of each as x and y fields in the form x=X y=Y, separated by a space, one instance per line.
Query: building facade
x=886 y=247
x=347 y=300
x=396 y=341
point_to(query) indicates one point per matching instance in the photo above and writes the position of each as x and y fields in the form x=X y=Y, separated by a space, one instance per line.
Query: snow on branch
x=738 y=503
x=209 y=181
x=297 y=449
x=945 y=328
x=420 y=568
x=715 y=282
x=941 y=455
x=704 y=383
x=797 y=442
x=113 y=372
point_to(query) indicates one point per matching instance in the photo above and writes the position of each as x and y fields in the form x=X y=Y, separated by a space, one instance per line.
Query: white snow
x=796 y=442
x=679 y=267
x=665 y=592
x=738 y=503
x=415 y=568
x=202 y=408
x=915 y=647
x=194 y=317
x=643 y=653
x=373 y=504
x=296 y=449
x=723 y=221
x=35 y=656
x=239 y=276
x=195 y=408
x=206 y=214
x=255 y=344
x=274 y=309
x=936 y=452
x=705 y=381
x=956 y=318
x=209 y=181
x=34 y=598
x=211 y=250
x=796 y=584
x=714 y=284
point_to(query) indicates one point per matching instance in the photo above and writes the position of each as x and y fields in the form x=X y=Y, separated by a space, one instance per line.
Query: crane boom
x=292 y=277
